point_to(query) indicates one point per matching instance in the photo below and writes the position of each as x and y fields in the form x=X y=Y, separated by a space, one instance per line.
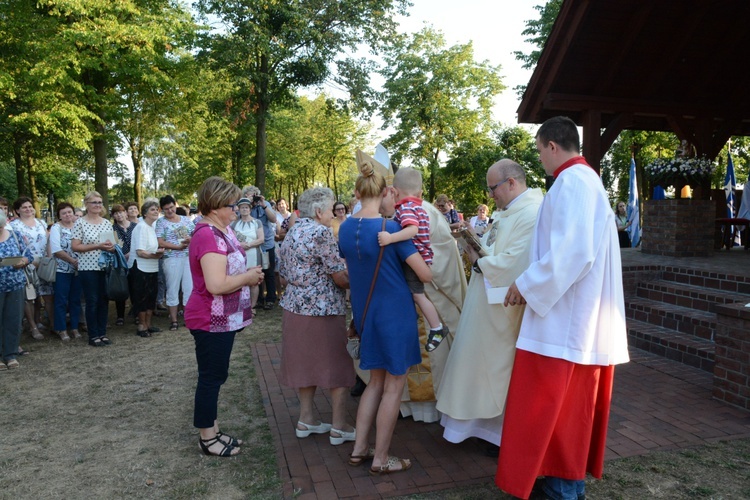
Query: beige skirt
x=314 y=352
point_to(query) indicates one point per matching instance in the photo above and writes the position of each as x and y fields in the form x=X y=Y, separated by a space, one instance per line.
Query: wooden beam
x=573 y=102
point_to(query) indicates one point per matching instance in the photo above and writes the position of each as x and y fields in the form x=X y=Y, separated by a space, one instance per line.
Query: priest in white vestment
x=475 y=382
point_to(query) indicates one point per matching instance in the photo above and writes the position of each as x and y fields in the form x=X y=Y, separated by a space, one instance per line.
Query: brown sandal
x=357 y=460
x=388 y=467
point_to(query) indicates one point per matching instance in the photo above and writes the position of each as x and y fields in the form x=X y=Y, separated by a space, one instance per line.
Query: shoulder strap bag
x=353 y=338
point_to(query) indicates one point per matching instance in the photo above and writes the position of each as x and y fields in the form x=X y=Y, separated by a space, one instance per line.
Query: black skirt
x=143 y=289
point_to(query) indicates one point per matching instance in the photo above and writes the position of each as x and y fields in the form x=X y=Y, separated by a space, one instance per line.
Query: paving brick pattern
x=658 y=404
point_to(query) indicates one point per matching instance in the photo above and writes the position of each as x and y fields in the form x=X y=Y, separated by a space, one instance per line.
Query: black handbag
x=117 y=283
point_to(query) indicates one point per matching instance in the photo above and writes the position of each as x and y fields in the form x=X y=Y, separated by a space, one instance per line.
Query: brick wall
x=678 y=228
x=732 y=368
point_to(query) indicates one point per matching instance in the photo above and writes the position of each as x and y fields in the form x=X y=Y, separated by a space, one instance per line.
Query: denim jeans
x=212 y=351
x=97 y=305
x=564 y=489
x=67 y=299
x=11 y=313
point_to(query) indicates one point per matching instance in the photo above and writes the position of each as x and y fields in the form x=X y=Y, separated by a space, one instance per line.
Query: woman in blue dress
x=390 y=342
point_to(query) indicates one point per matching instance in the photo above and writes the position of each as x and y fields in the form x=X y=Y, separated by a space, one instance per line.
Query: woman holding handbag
x=12 y=294
x=34 y=233
x=313 y=324
x=67 y=283
x=86 y=240
x=389 y=337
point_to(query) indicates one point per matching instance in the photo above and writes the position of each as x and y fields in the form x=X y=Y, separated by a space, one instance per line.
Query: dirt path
x=116 y=422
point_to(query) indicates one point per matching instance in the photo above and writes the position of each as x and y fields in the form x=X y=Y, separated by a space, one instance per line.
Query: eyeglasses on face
x=491 y=189
x=233 y=206
x=94 y=203
x=340 y=209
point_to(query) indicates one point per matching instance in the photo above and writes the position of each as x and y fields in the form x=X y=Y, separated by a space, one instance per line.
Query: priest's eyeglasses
x=491 y=189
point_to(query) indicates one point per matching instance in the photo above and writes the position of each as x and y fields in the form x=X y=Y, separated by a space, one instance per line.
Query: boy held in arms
x=415 y=226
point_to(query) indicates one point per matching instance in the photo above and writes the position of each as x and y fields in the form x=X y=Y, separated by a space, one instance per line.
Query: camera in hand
x=256 y=199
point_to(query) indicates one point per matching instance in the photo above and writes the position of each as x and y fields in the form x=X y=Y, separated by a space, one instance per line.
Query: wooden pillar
x=592 y=144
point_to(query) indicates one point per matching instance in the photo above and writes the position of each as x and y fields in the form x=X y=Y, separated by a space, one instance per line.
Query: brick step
x=685 y=320
x=694 y=297
x=686 y=349
x=708 y=279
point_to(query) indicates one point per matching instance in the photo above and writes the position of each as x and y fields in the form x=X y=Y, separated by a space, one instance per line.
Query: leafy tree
x=313 y=143
x=435 y=97
x=40 y=109
x=464 y=176
x=271 y=48
x=538 y=30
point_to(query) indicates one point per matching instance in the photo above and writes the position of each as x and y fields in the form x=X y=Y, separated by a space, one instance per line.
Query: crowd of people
x=522 y=359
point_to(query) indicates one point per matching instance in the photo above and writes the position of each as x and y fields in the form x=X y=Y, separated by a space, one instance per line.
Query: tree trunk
x=237 y=154
x=260 y=150
x=433 y=174
x=100 y=164
x=136 y=156
x=31 y=170
x=20 y=167
x=261 y=118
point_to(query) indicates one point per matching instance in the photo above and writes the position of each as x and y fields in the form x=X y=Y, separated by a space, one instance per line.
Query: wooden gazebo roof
x=667 y=65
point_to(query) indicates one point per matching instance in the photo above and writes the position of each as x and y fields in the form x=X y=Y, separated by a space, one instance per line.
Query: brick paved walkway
x=657 y=405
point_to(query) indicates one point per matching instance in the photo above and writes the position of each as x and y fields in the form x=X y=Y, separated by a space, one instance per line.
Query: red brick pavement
x=658 y=404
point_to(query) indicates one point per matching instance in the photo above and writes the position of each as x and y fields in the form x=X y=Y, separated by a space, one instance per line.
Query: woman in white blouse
x=143 y=262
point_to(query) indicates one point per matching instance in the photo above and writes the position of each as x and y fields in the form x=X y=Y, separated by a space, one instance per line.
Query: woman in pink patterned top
x=219 y=306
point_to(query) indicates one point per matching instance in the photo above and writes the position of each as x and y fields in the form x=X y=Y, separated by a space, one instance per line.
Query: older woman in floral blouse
x=314 y=320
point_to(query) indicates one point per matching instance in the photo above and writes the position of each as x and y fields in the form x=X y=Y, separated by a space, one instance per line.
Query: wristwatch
x=476 y=268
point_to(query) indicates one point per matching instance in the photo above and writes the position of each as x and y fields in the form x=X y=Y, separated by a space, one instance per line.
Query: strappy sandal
x=435 y=338
x=231 y=441
x=388 y=467
x=143 y=333
x=226 y=450
x=36 y=334
x=357 y=460
x=173 y=326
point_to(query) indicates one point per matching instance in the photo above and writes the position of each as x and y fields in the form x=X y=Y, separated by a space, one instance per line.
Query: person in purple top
x=219 y=306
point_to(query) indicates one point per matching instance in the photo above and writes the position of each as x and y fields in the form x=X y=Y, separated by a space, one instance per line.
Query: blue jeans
x=11 y=313
x=564 y=489
x=97 y=306
x=67 y=299
x=212 y=351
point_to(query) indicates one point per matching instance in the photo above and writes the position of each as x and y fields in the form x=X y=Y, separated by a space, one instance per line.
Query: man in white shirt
x=572 y=334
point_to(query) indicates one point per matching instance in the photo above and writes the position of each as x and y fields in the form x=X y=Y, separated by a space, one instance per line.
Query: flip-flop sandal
x=173 y=327
x=357 y=460
x=388 y=467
